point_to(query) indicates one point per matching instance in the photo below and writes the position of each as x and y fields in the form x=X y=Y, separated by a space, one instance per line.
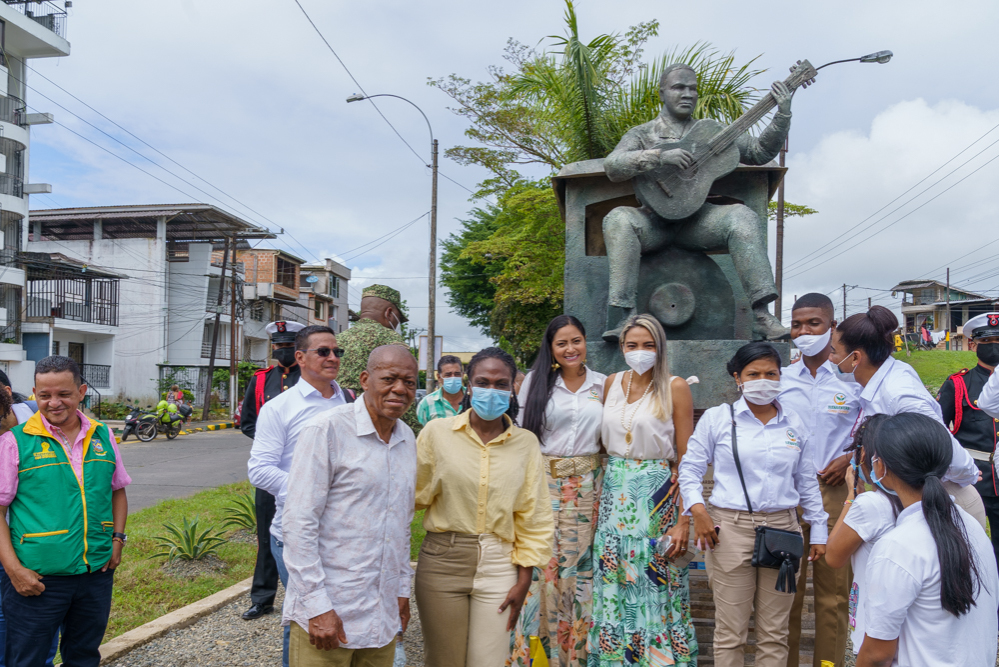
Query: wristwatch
x=121 y=536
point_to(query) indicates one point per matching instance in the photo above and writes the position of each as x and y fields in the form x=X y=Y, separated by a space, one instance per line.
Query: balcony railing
x=11 y=185
x=13 y=110
x=221 y=350
x=96 y=375
x=47 y=14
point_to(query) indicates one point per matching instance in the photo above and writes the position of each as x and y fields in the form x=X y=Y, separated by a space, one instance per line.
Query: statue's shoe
x=621 y=317
x=613 y=335
x=769 y=327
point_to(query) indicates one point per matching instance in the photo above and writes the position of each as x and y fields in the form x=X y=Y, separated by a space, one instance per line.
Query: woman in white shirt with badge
x=867 y=517
x=762 y=472
x=562 y=404
x=641 y=601
x=932 y=580
x=862 y=346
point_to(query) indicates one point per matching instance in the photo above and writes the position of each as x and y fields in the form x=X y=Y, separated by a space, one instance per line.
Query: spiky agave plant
x=242 y=513
x=187 y=542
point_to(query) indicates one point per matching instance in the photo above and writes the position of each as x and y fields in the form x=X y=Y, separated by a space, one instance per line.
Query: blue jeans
x=277 y=550
x=3 y=638
x=80 y=603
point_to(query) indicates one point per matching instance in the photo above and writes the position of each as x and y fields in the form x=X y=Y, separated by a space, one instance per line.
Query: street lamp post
x=432 y=302
x=880 y=57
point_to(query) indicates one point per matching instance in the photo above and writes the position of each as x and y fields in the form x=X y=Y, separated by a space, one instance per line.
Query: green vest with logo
x=61 y=525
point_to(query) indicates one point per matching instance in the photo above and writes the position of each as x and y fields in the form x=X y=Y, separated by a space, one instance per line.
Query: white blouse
x=572 y=419
x=651 y=438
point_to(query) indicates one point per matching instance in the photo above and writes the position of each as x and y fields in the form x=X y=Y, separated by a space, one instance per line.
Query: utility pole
x=947 y=330
x=432 y=316
x=232 y=333
x=844 y=301
x=215 y=332
x=868 y=303
x=779 y=268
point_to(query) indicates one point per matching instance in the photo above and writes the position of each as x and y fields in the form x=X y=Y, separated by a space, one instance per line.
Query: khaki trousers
x=832 y=594
x=968 y=499
x=461 y=581
x=304 y=654
x=739 y=588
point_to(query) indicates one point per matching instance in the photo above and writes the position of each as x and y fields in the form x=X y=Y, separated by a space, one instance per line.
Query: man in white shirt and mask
x=829 y=407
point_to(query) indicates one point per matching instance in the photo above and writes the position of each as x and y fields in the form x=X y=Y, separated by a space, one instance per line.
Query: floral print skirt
x=641 y=603
x=559 y=605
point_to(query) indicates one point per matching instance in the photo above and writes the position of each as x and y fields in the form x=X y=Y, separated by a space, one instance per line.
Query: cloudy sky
x=245 y=95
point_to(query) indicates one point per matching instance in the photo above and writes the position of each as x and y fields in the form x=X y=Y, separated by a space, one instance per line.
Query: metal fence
x=12 y=186
x=93 y=300
x=97 y=375
x=47 y=14
x=13 y=110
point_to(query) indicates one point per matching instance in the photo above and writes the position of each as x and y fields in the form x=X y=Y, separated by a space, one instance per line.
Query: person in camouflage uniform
x=381 y=313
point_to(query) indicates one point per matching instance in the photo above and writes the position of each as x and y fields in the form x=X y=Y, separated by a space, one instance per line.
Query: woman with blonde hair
x=641 y=601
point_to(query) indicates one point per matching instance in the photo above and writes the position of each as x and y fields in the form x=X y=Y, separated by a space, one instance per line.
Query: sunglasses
x=326 y=351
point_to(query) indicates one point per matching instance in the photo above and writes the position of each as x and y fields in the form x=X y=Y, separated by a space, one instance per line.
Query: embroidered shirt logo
x=98 y=449
x=839 y=399
x=46 y=452
x=838 y=405
x=594 y=396
x=792 y=440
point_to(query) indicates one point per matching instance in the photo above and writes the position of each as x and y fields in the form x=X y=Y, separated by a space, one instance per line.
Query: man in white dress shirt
x=829 y=407
x=351 y=497
x=282 y=419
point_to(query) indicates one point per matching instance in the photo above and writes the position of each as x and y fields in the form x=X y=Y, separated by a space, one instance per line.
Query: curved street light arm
x=358 y=98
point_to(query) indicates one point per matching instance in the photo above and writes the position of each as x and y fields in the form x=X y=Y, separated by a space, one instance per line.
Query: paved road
x=185 y=465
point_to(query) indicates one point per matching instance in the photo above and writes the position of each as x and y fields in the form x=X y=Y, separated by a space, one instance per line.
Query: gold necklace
x=638 y=404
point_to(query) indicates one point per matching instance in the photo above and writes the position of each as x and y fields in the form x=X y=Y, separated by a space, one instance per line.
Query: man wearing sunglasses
x=282 y=419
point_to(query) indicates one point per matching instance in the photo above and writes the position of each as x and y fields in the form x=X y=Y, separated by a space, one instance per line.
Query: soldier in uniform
x=973 y=427
x=265 y=385
x=378 y=324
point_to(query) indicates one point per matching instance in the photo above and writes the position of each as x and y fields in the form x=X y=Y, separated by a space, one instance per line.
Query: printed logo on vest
x=46 y=452
x=792 y=440
x=594 y=396
x=838 y=405
x=98 y=449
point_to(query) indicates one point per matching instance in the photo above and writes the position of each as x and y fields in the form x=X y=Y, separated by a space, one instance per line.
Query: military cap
x=284 y=332
x=982 y=326
x=389 y=294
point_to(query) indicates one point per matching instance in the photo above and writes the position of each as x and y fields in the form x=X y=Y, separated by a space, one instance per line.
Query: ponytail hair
x=871 y=332
x=917 y=450
x=493 y=353
x=544 y=377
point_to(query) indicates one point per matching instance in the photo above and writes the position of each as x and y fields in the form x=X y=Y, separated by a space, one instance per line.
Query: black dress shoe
x=257 y=610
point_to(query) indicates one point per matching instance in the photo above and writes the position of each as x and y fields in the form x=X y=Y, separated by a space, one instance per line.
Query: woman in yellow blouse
x=488 y=518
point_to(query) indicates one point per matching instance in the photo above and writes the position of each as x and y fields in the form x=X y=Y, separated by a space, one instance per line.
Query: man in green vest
x=62 y=491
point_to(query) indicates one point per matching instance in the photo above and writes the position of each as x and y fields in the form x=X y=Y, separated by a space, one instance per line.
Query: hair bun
x=884 y=320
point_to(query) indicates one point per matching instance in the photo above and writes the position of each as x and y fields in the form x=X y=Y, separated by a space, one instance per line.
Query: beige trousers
x=832 y=594
x=461 y=581
x=739 y=588
x=968 y=499
x=303 y=654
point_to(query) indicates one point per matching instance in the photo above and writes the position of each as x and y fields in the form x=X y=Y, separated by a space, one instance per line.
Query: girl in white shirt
x=932 y=580
x=867 y=517
x=779 y=476
x=562 y=403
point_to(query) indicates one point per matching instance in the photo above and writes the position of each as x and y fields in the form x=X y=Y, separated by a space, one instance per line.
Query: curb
x=180 y=618
x=217 y=427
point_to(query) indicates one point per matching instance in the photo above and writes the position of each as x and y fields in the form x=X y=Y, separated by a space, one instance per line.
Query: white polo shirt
x=827 y=405
x=572 y=418
x=903 y=580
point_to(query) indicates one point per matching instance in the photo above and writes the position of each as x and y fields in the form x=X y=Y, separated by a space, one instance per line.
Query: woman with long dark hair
x=488 y=520
x=562 y=403
x=866 y=517
x=932 y=580
x=641 y=601
x=862 y=347
x=764 y=486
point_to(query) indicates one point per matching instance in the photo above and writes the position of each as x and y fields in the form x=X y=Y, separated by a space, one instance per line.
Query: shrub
x=187 y=542
x=111 y=410
x=242 y=513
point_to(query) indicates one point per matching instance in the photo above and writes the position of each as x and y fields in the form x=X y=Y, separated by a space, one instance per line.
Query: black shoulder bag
x=774 y=548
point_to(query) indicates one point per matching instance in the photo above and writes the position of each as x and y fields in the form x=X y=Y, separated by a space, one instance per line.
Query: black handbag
x=774 y=548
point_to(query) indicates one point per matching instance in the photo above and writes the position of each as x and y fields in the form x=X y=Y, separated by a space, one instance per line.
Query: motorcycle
x=141 y=423
x=168 y=419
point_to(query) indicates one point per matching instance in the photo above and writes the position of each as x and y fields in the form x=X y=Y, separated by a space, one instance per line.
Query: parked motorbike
x=168 y=419
x=141 y=423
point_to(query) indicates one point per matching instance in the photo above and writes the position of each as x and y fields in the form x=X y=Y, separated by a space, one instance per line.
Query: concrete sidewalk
x=117 y=425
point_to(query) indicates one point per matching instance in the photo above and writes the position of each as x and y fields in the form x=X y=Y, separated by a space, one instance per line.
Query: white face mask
x=845 y=377
x=395 y=327
x=640 y=361
x=813 y=345
x=761 y=392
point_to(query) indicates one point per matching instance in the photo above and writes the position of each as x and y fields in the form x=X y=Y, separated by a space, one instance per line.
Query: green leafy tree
x=790 y=210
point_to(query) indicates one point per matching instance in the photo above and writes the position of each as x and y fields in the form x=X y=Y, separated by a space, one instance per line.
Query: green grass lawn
x=143 y=592
x=935 y=366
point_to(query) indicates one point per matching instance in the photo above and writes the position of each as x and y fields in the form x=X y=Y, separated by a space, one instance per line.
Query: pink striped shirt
x=9 y=458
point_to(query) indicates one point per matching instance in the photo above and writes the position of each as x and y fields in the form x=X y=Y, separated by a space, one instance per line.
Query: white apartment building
x=27 y=30
x=140 y=295
x=323 y=290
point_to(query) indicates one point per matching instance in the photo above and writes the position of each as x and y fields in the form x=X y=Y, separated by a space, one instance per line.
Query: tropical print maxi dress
x=641 y=603
x=559 y=604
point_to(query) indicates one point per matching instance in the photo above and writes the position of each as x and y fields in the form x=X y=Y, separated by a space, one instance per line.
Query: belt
x=979 y=455
x=572 y=466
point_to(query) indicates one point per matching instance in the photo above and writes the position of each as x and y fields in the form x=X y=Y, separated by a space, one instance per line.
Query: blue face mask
x=490 y=404
x=452 y=385
x=877 y=480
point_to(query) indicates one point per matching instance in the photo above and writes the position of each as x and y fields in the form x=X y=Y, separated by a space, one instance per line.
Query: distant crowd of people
x=561 y=509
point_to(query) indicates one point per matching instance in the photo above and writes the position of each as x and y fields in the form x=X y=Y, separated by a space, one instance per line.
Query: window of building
x=319 y=309
x=333 y=318
x=334 y=284
x=257 y=311
x=286 y=273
